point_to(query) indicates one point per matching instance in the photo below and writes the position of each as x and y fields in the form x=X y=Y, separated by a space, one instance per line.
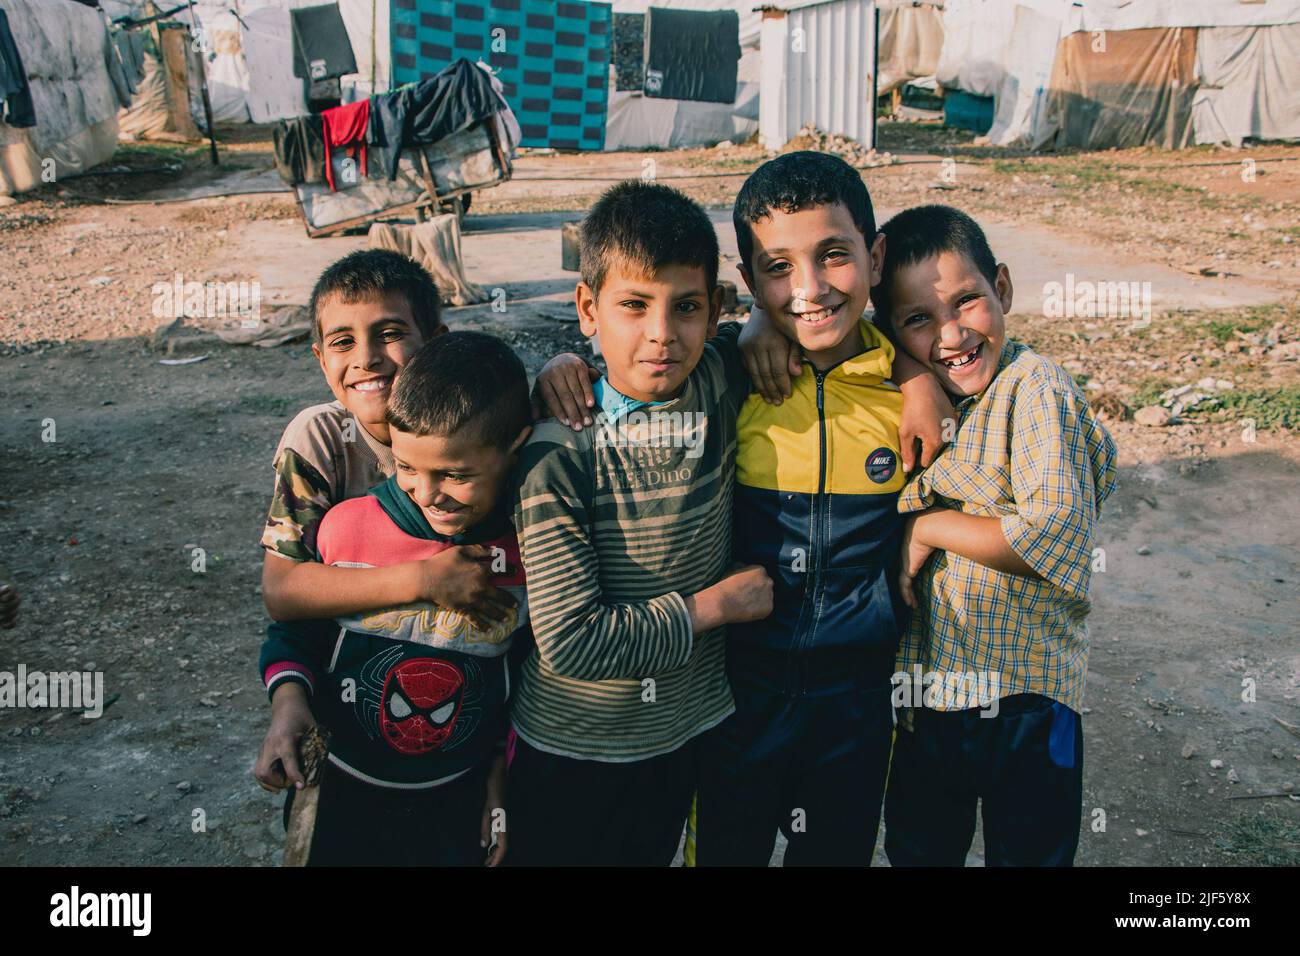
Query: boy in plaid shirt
x=997 y=558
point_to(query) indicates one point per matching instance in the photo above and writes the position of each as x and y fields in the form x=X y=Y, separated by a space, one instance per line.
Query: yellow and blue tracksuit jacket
x=818 y=479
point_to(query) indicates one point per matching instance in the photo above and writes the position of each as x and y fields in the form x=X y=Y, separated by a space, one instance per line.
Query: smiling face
x=652 y=328
x=948 y=317
x=363 y=345
x=812 y=272
x=454 y=479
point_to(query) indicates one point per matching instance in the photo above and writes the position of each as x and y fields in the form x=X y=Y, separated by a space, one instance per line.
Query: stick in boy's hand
x=564 y=391
x=460 y=579
x=302 y=817
x=772 y=360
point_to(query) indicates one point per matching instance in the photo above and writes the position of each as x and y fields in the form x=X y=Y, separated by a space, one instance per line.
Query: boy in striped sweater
x=625 y=535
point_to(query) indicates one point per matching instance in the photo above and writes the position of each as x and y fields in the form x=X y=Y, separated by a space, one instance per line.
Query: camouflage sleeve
x=302 y=496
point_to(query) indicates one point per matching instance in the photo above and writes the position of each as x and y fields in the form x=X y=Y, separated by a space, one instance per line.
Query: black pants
x=567 y=812
x=809 y=757
x=358 y=824
x=1025 y=764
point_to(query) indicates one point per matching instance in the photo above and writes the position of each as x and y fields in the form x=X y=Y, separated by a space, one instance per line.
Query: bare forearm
x=978 y=538
x=295 y=590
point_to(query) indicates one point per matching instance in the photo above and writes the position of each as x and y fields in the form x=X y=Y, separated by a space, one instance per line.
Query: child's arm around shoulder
x=578 y=634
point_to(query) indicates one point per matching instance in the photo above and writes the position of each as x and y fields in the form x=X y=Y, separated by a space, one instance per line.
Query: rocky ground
x=114 y=469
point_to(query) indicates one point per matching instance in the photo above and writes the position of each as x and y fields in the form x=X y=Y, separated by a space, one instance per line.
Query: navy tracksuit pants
x=1025 y=765
x=806 y=752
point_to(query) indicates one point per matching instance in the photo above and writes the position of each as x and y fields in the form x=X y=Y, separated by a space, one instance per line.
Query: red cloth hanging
x=345 y=127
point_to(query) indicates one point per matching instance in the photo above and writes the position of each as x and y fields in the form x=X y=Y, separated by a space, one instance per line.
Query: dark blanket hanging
x=15 y=94
x=300 y=150
x=692 y=54
x=321 y=47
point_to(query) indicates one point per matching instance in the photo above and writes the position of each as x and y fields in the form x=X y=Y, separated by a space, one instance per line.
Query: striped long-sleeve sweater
x=617 y=525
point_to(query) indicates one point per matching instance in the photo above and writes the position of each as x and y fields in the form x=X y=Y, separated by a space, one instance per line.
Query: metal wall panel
x=819 y=65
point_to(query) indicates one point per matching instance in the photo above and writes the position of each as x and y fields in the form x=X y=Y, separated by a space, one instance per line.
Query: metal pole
x=203 y=84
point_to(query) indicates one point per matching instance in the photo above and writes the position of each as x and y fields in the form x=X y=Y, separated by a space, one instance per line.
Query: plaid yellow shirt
x=1029 y=451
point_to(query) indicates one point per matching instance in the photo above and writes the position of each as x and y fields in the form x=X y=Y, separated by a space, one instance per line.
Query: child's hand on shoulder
x=460 y=579
x=496 y=801
x=564 y=391
x=771 y=359
x=277 y=764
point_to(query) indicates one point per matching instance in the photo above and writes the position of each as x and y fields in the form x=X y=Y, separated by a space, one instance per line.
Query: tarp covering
x=1250 y=84
x=1019 y=117
x=161 y=108
x=911 y=41
x=1135 y=91
x=64 y=48
x=1127 y=15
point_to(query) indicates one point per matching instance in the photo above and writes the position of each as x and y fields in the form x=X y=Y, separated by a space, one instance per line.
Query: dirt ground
x=1192 y=726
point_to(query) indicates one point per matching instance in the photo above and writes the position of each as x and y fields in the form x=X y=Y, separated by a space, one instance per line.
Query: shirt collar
x=614 y=403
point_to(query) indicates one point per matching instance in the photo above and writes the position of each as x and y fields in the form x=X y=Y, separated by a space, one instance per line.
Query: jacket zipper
x=817 y=544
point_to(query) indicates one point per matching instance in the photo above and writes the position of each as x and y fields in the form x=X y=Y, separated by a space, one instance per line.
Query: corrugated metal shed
x=819 y=66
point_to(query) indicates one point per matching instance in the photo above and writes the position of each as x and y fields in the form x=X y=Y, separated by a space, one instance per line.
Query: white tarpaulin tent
x=247 y=52
x=65 y=48
x=1233 y=74
x=636 y=121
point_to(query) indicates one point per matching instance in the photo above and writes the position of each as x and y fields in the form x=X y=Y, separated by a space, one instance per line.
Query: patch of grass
x=1271 y=408
x=1261 y=841
x=1251 y=319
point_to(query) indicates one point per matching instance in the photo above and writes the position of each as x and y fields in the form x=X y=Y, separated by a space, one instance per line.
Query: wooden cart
x=430 y=180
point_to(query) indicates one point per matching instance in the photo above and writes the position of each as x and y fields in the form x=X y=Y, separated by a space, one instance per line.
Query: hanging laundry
x=300 y=150
x=629 y=51
x=345 y=127
x=321 y=47
x=692 y=54
x=433 y=109
x=15 y=94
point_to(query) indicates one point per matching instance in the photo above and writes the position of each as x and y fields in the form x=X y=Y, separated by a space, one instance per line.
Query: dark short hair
x=796 y=181
x=915 y=235
x=649 y=226
x=462 y=379
x=371 y=273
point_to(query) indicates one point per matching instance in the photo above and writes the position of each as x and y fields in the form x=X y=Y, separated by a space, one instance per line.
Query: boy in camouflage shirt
x=371 y=312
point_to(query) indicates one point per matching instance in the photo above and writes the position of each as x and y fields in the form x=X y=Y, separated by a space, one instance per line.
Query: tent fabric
x=1115 y=15
x=692 y=54
x=267 y=42
x=63 y=49
x=911 y=41
x=1249 y=84
x=555 y=65
x=1136 y=92
x=1019 y=117
x=321 y=46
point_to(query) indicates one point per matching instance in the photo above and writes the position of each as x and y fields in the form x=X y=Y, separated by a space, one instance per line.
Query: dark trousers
x=358 y=824
x=568 y=812
x=1025 y=765
x=806 y=754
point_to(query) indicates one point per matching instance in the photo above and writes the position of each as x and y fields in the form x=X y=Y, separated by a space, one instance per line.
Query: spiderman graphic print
x=418 y=704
